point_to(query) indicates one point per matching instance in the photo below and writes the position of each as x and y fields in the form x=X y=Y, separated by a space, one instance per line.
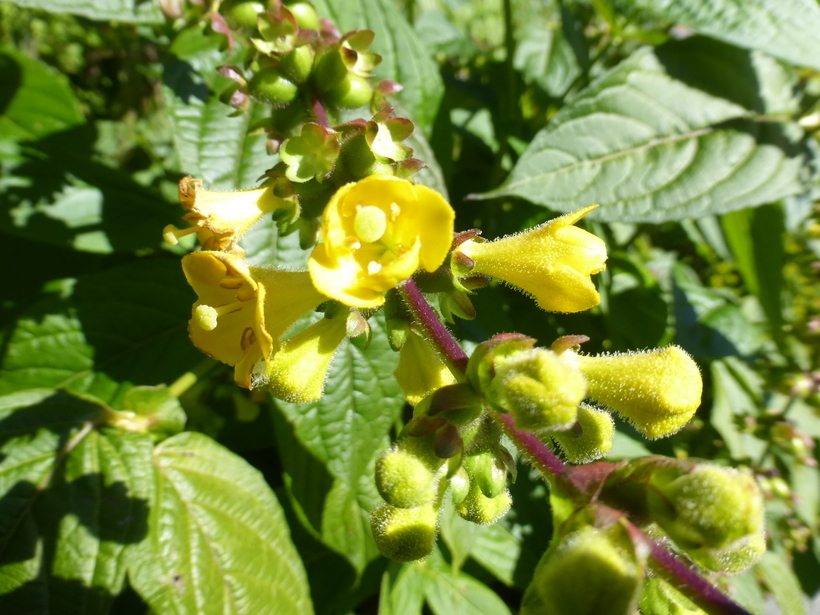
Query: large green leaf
x=665 y=135
x=448 y=591
x=344 y=431
x=124 y=11
x=781 y=581
x=211 y=140
x=123 y=326
x=54 y=190
x=217 y=540
x=405 y=58
x=786 y=29
x=74 y=495
x=737 y=391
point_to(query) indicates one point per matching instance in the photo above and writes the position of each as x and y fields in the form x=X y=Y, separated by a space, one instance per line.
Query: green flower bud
x=488 y=472
x=297 y=64
x=659 y=391
x=404 y=480
x=539 y=388
x=659 y=598
x=589 y=572
x=241 y=13
x=715 y=514
x=330 y=70
x=404 y=534
x=270 y=86
x=478 y=508
x=459 y=486
x=305 y=15
x=351 y=93
x=595 y=441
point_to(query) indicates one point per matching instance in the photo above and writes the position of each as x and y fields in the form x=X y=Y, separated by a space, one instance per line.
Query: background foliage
x=692 y=123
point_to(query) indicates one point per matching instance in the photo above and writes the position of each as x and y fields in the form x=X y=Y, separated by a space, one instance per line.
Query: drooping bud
x=478 y=508
x=405 y=534
x=597 y=430
x=591 y=571
x=658 y=391
x=715 y=514
x=405 y=479
x=488 y=472
x=270 y=86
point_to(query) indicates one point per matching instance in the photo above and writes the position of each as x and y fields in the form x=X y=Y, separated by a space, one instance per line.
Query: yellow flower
x=551 y=262
x=377 y=232
x=241 y=311
x=658 y=390
x=420 y=369
x=220 y=218
x=298 y=370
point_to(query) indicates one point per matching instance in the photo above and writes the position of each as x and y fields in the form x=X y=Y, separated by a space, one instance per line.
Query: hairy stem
x=686 y=580
x=437 y=333
x=532 y=448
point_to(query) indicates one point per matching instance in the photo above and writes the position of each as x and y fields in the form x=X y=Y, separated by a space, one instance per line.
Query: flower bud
x=590 y=572
x=478 y=508
x=488 y=472
x=539 y=388
x=420 y=369
x=241 y=13
x=404 y=534
x=297 y=64
x=715 y=514
x=270 y=86
x=459 y=486
x=350 y=93
x=305 y=15
x=595 y=441
x=658 y=391
x=405 y=479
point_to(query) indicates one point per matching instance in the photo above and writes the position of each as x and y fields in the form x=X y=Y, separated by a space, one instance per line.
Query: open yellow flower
x=551 y=262
x=241 y=311
x=377 y=233
x=220 y=218
x=420 y=369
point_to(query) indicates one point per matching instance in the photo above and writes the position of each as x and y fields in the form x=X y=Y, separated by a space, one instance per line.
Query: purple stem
x=532 y=446
x=439 y=335
x=686 y=580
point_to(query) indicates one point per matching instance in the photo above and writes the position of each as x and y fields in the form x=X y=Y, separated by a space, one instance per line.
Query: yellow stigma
x=370 y=223
x=206 y=316
x=172 y=235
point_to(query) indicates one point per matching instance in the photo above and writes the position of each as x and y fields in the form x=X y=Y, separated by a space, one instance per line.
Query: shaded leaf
x=781 y=581
x=124 y=11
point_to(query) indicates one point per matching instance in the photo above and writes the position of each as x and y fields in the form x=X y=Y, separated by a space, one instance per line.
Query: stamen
x=395 y=210
x=171 y=234
x=374 y=267
x=370 y=223
x=248 y=338
x=231 y=283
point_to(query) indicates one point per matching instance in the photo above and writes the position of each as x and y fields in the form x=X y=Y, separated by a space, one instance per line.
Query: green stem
x=189 y=379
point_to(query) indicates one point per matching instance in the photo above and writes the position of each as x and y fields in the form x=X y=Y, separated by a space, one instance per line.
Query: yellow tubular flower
x=242 y=311
x=220 y=218
x=551 y=262
x=377 y=233
x=658 y=391
x=297 y=371
x=420 y=370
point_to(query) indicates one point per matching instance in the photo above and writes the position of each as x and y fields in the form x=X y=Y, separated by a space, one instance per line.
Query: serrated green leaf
x=344 y=431
x=123 y=326
x=786 y=29
x=404 y=57
x=450 y=592
x=74 y=495
x=40 y=101
x=123 y=11
x=402 y=590
x=498 y=552
x=782 y=582
x=217 y=540
x=650 y=147
x=210 y=138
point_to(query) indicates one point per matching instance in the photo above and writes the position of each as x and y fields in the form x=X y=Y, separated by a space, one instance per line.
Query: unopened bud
x=597 y=431
x=404 y=534
x=404 y=479
x=488 y=472
x=715 y=514
x=478 y=508
x=658 y=391
x=589 y=573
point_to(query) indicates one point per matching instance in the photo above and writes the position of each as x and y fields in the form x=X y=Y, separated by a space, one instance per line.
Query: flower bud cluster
x=449 y=443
